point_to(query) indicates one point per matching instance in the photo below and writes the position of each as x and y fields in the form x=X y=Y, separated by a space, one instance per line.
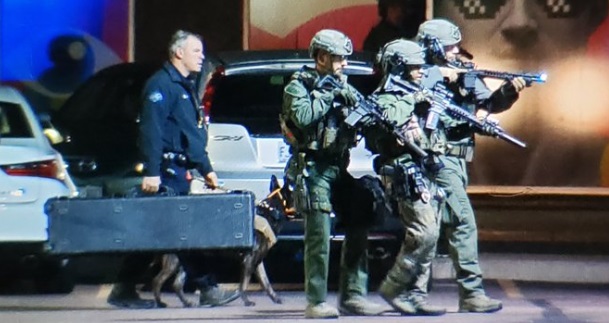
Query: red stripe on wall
x=354 y=21
x=115 y=32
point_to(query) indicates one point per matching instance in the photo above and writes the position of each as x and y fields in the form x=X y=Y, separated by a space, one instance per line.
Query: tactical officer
x=173 y=139
x=320 y=142
x=441 y=39
x=408 y=178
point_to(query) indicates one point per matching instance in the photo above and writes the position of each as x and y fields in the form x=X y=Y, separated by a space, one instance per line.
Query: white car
x=31 y=172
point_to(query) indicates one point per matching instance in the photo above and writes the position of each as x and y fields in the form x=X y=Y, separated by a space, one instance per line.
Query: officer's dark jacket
x=381 y=34
x=170 y=121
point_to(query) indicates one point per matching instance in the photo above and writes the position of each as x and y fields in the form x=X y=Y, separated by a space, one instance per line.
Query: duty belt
x=461 y=151
x=178 y=158
x=320 y=156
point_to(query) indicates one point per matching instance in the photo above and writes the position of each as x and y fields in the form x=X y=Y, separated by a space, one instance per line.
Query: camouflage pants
x=421 y=223
x=354 y=258
x=460 y=227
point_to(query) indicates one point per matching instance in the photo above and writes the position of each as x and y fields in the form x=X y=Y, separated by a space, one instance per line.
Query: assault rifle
x=471 y=74
x=440 y=100
x=435 y=51
x=366 y=112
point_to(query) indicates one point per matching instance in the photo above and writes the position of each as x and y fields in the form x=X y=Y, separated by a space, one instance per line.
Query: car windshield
x=254 y=100
x=13 y=122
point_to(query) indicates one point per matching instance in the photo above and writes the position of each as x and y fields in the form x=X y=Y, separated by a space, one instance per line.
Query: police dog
x=271 y=213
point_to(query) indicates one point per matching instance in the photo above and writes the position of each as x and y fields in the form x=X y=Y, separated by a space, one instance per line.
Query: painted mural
x=563 y=121
x=278 y=24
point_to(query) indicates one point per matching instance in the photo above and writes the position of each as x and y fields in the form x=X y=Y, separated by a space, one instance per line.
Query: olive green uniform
x=320 y=146
x=458 y=216
x=420 y=216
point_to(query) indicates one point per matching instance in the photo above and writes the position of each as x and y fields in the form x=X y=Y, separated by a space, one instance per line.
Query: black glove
x=345 y=96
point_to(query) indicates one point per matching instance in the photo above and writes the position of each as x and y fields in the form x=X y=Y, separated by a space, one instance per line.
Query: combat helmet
x=444 y=31
x=332 y=41
x=400 y=52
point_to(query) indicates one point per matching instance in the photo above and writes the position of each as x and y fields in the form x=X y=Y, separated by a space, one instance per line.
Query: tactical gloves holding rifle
x=365 y=112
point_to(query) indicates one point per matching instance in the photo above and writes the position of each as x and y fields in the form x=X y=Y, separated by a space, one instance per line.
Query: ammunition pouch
x=432 y=163
x=329 y=132
x=461 y=151
x=302 y=198
x=288 y=134
x=407 y=182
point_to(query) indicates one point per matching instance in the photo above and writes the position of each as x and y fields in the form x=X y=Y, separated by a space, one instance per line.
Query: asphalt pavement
x=523 y=302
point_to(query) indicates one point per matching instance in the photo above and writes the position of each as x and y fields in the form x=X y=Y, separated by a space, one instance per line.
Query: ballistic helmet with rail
x=331 y=41
x=444 y=31
x=400 y=52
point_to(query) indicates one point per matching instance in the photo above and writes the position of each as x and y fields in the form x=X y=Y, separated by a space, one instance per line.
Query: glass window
x=13 y=122
x=254 y=101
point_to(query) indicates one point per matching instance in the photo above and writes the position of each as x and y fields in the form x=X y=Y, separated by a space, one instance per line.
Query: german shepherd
x=271 y=213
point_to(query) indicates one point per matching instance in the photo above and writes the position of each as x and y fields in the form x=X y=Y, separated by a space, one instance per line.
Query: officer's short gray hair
x=178 y=39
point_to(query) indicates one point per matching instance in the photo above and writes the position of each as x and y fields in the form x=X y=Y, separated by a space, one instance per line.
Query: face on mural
x=523 y=30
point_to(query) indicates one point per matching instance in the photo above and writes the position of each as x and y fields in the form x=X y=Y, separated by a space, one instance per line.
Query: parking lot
x=523 y=302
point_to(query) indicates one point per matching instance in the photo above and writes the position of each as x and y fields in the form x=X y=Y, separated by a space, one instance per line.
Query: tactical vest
x=330 y=136
x=385 y=144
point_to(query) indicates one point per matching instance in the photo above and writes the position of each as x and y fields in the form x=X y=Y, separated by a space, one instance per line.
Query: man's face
x=519 y=30
x=414 y=73
x=191 y=54
x=451 y=52
x=331 y=64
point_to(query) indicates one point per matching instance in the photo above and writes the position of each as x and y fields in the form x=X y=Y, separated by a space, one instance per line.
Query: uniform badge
x=184 y=96
x=155 y=97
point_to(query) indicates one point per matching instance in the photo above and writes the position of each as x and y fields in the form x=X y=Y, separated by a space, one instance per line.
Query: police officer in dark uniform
x=173 y=139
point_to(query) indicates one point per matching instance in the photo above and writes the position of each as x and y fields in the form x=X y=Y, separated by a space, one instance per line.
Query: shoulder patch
x=155 y=97
x=296 y=89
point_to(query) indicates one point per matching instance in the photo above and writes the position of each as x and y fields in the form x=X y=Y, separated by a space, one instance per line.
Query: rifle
x=441 y=103
x=442 y=100
x=470 y=76
x=368 y=108
x=435 y=51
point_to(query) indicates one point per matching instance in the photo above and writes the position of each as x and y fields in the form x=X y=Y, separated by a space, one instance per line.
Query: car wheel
x=54 y=276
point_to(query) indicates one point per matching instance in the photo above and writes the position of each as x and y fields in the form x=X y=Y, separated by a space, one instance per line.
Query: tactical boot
x=424 y=308
x=479 y=304
x=321 y=311
x=215 y=296
x=391 y=294
x=125 y=296
x=359 y=306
